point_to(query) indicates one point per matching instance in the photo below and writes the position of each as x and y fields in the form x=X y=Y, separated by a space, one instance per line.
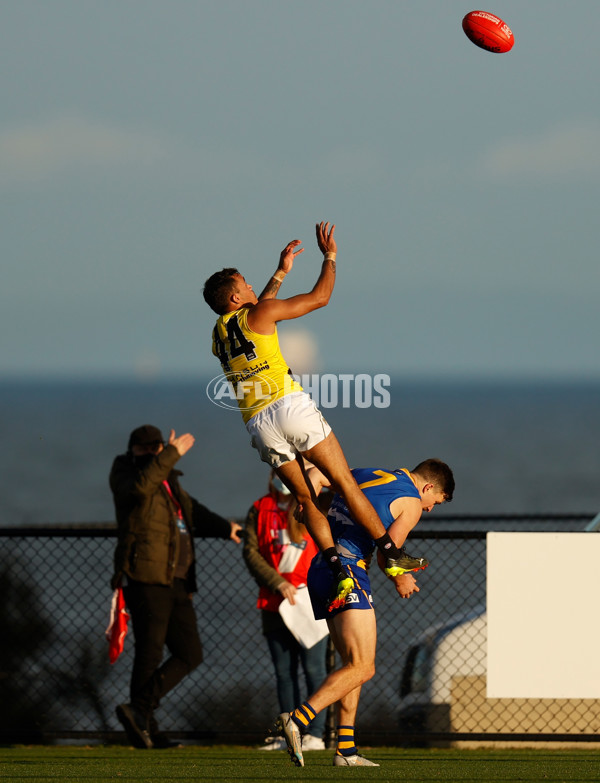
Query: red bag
x=117 y=626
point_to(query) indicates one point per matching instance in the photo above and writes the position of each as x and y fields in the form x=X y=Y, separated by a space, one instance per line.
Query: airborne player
x=282 y=420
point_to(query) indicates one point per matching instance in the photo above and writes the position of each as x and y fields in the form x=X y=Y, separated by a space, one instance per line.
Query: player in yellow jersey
x=283 y=421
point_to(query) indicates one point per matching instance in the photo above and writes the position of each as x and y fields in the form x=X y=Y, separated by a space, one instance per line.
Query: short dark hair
x=439 y=474
x=218 y=288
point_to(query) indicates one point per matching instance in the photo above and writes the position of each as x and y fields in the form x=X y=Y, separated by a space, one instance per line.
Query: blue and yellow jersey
x=381 y=487
x=251 y=362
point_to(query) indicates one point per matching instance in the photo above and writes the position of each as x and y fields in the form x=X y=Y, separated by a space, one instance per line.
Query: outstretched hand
x=325 y=238
x=183 y=443
x=288 y=254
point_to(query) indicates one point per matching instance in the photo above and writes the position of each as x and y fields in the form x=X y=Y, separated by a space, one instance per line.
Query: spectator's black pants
x=160 y=615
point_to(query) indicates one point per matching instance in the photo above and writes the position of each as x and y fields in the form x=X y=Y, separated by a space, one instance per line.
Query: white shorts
x=287 y=426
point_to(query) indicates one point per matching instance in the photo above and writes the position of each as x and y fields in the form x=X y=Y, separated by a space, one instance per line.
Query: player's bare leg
x=348 y=707
x=293 y=475
x=354 y=634
x=347 y=754
x=329 y=458
x=295 y=480
x=347 y=704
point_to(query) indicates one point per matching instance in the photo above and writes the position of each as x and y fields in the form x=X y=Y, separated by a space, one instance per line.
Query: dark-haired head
x=439 y=474
x=218 y=289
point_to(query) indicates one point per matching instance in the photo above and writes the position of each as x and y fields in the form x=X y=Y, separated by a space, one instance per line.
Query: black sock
x=387 y=546
x=333 y=561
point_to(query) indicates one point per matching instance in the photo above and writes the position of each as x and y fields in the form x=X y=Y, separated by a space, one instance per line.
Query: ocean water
x=515 y=448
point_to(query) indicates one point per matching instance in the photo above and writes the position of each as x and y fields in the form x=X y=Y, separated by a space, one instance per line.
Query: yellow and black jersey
x=252 y=363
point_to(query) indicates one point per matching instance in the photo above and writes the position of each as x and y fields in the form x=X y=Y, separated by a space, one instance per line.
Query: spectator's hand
x=183 y=443
x=235 y=529
x=405 y=585
x=325 y=238
x=288 y=254
x=288 y=591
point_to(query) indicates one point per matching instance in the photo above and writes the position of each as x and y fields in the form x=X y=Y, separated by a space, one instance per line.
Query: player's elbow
x=321 y=293
x=321 y=299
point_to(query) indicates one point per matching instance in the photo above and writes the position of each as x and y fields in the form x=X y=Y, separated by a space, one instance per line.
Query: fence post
x=330 y=727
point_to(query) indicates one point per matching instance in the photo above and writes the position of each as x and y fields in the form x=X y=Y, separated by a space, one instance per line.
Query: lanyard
x=178 y=511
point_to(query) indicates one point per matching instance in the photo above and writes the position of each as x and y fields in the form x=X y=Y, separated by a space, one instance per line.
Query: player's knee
x=363 y=671
x=367 y=672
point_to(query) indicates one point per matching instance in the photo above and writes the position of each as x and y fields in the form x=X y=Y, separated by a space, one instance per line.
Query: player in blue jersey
x=400 y=497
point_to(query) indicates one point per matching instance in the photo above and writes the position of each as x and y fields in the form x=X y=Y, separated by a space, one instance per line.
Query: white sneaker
x=310 y=742
x=352 y=761
x=274 y=743
x=293 y=738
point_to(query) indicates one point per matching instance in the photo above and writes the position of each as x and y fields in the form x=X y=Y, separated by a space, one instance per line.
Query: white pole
x=594 y=525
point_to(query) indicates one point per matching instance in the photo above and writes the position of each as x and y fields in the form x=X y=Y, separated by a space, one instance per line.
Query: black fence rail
x=56 y=682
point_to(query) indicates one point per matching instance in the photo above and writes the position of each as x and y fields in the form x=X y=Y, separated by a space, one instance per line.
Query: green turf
x=41 y=764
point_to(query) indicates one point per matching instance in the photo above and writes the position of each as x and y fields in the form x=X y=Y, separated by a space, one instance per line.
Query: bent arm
x=128 y=480
x=264 y=315
x=407 y=512
x=269 y=310
x=286 y=261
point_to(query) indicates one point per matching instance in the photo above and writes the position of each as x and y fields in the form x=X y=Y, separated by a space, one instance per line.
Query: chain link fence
x=56 y=682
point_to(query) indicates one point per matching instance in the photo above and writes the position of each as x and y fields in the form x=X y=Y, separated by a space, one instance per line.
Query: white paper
x=300 y=619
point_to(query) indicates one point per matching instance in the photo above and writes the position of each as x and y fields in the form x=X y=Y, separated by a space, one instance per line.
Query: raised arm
x=286 y=261
x=263 y=316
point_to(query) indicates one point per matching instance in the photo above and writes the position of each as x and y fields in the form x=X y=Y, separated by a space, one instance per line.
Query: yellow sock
x=303 y=715
x=346 y=746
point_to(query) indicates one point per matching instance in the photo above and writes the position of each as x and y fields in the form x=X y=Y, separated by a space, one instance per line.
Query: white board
x=543 y=612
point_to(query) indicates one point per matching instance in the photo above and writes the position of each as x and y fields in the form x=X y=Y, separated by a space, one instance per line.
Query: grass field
x=224 y=763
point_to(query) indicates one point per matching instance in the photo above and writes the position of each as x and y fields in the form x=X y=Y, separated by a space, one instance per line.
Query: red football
x=488 y=31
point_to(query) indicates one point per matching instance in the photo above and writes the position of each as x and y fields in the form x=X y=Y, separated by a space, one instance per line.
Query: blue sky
x=143 y=145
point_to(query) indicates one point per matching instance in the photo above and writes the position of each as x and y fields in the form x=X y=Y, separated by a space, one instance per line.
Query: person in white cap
x=278 y=551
